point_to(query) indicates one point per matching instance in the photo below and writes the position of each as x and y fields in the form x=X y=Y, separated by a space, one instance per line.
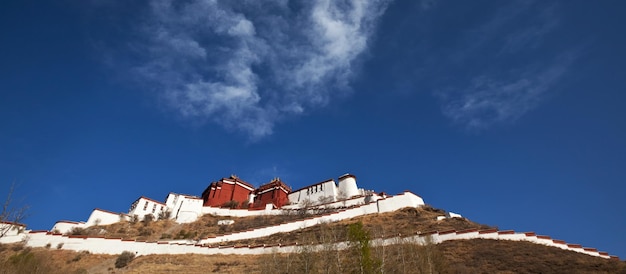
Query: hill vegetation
x=464 y=256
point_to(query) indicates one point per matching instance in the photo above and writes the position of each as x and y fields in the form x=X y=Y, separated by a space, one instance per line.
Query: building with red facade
x=226 y=192
x=235 y=193
x=275 y=192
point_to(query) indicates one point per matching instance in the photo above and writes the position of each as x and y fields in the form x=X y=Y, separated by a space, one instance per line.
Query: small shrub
x=183 y=234
x=231 y=204
x=78 y=231
x=124 y=258
x=76 y=258
x=60 y=245
x=18 y=247
x=147 y=219
x=164 y=215
x=81 y=271
x=145 y=232
x=48 y=245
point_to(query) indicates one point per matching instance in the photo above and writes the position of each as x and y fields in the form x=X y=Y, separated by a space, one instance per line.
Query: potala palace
x=234 y=197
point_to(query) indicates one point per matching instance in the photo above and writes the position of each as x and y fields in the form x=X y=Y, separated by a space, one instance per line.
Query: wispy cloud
x=245 y=65
x=428 y=4
x=499 y=86
x=494 y=99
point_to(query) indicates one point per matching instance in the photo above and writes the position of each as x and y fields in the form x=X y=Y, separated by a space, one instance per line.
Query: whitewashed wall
x=10 y=229
x=315 y=193
x=145 y=206
x=347 y=186
x=172 y=202
x=342 y=203
x=218 y=211
x=190 y=210
x=67 y=226
x=103 y=217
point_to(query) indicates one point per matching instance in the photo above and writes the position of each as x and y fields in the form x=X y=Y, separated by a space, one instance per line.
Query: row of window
x=314 y=189
x=154 y=206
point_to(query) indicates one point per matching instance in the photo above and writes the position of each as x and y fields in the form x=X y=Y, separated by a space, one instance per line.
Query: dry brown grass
x=460 y=256
x=15 y=259
x=192 y=263
x=463 y=256
x=493 y=256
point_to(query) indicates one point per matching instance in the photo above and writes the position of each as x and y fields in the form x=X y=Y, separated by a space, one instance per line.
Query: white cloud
x=500 y=88
x=245 y=66
x=490 y=100
x=532 y=36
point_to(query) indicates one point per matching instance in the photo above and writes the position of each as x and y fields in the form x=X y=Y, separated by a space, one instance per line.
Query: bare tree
x=11 y=216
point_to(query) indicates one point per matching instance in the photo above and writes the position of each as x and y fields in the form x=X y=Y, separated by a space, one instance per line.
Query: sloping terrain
x=463 y=256
x=457 y=256
x=491 y=256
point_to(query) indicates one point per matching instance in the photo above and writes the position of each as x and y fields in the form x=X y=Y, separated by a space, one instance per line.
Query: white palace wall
x=104 y=217
x=189 y=210
x=313 y=194
x=145 y=206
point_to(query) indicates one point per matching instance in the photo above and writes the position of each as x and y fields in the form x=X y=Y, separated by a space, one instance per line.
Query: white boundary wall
x=99 y=245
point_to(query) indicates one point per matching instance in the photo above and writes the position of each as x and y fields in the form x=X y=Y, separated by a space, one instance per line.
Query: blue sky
x=508 y=112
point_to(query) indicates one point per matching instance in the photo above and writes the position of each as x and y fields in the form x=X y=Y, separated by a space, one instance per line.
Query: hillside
x=468 y=256
x=458 y=256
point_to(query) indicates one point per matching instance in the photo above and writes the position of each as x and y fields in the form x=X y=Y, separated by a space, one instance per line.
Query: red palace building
x=224 y=191
x=234 y=191
x=275 y=192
